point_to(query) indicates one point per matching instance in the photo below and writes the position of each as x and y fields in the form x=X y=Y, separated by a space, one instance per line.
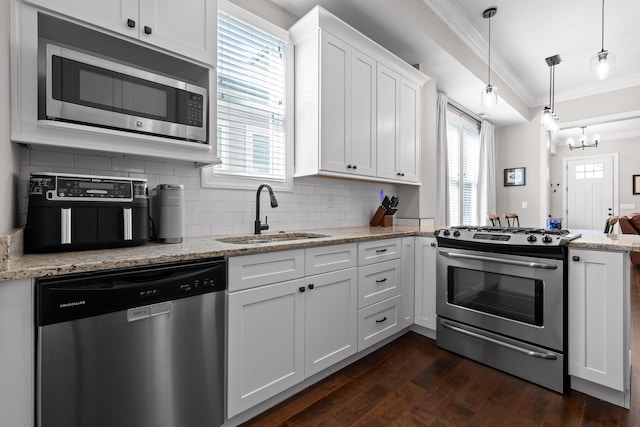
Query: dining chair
x=494 y=218
x=512 y=219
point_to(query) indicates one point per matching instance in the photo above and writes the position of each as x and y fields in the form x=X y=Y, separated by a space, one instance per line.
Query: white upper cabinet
x=187 y=27
x=398 y=127
x=345 y=104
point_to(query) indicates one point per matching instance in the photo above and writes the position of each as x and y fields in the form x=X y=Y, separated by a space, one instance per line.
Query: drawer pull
x=381 y=280
x=575 y=258
x=433 y=245
x=384 y=319
x=311 y=286
x=302 y=289
x=381 y=251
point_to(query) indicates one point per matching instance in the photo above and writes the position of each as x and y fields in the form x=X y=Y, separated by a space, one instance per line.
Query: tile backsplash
x=315 y=202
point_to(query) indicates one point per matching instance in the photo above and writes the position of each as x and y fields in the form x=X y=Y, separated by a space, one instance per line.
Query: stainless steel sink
x=269 y=238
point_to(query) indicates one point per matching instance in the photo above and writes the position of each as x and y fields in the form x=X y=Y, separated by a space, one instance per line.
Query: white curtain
x=486 y=174
x=442 y=169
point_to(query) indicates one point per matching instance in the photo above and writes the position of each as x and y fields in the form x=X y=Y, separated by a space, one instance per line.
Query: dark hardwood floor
x=411 y=382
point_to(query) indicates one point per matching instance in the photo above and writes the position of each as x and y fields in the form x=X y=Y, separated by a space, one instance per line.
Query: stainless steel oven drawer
x=532 y=363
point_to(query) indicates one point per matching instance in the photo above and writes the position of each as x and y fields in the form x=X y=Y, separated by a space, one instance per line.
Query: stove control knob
x=446 y=232
x=531 y=238
x=546 y=239
x=456 y=233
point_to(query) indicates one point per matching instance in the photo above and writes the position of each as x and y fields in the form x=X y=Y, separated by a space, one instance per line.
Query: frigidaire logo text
x=72 y=304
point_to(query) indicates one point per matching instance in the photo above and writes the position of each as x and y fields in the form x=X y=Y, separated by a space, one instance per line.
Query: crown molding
x=456 y=20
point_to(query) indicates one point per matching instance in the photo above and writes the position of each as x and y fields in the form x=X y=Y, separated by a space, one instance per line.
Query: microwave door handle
x=128 y=229
x=530 y=264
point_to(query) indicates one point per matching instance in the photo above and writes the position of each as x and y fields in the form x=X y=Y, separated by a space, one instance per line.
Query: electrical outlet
x=524 y=205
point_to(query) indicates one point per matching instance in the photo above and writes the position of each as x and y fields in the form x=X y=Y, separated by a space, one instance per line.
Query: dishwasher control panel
x=143 y=292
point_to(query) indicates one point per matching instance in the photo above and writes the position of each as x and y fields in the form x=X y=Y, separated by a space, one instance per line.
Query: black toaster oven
x=79 y=212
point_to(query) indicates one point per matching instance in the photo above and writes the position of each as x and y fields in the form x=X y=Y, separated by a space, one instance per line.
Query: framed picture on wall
x=636 y=184
x=514 y=177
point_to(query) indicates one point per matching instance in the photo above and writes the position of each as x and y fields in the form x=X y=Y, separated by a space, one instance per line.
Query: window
x=252 y=103
x=463 y=142
x=590 y=171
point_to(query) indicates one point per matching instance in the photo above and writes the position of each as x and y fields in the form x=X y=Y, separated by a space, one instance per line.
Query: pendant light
x=489 y=97
x=583 y=141
x=602 y=64
x=549 y=118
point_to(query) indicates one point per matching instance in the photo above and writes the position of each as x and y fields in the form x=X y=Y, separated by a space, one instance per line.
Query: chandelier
x=582 y=141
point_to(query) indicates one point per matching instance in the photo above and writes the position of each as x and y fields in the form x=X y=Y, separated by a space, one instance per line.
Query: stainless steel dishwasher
x=132 y=348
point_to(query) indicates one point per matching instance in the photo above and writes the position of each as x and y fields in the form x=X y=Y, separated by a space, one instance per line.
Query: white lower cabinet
x=599 y=343
x=408 y=281
x=331 y=325
x=378 y=321
x=281 y=333
x=379 y=290
x=265 y=343
x=425 y=282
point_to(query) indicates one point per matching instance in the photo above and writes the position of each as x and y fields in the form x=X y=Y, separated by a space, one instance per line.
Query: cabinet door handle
x=302 y=289
x=381 y=251
x=433 y=245
x=382 y=320
x=131 y=23
x=311 y=286
x=355 y=166
x=349 y=166
x=381 y=280
x=147 y=29
x=575 y=258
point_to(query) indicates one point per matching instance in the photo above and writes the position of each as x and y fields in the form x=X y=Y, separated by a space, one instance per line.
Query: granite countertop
x=14 y=265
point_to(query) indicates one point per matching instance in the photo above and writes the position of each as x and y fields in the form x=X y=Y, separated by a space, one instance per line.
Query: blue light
x=381 y=195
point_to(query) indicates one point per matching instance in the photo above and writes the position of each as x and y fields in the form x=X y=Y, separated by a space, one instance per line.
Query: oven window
x=511 y=297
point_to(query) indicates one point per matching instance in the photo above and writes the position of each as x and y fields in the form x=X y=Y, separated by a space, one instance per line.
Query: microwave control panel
x=194 y=110
x=87 y=188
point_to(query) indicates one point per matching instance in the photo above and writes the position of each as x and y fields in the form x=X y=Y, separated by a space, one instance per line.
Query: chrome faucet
x=258 y=226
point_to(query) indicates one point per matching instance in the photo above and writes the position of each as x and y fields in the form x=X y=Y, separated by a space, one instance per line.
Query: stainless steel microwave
x=89 y=90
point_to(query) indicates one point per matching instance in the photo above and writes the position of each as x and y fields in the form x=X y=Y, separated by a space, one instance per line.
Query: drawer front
x=377 y=282
x=250 y=271
x=378 y=321
x=378 y=250
x=324 y=259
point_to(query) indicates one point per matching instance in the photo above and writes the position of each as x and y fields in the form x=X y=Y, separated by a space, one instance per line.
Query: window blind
x=463 y=142
x=251 y=101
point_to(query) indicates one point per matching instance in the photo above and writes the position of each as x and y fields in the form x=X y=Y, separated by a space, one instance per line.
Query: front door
x=590 y=192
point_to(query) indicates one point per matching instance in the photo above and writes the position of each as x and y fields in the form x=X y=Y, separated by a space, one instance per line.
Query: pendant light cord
x=489 y=69
x=602 y=50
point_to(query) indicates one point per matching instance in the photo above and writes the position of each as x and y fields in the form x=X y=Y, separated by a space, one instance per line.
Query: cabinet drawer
x=324 y=259
x=378 y=321
x=249 y=271
x=377 y=282
x=378 y=250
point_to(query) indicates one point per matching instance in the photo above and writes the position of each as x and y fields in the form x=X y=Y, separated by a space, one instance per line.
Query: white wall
x=519 y=146
x=9 y=164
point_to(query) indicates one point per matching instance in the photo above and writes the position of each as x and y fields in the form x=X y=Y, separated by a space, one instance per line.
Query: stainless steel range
x=501 y=299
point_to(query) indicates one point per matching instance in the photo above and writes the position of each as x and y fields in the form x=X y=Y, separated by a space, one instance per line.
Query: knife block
x=387 y=221
x=378 y=217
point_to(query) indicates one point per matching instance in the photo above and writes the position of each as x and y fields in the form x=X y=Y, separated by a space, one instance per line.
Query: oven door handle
x=539 y=355
x=531 y=264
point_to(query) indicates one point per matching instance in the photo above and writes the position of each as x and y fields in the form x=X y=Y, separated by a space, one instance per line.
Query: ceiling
x=523 y=34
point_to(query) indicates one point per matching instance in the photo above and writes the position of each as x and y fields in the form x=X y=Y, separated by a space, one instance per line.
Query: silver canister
x=166 y=208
